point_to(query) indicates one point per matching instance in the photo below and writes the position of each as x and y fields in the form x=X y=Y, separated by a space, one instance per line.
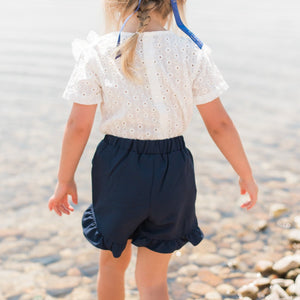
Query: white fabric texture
x=177 y=75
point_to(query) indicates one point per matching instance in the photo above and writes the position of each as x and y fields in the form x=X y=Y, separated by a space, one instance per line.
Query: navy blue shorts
x=143 y=190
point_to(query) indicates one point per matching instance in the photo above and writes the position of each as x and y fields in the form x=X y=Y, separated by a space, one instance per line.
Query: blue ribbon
x=178 y=22
x=182 y=26
x=119 y=38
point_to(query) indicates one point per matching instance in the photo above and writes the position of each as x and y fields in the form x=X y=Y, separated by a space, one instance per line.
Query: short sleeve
x=208 y=82
x=84 y=85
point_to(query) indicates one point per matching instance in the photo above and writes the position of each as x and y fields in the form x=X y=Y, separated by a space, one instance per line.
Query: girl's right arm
x=226 y=137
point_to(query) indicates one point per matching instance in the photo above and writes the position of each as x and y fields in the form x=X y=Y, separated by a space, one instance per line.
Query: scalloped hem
x=195 y=236
x=92 y=234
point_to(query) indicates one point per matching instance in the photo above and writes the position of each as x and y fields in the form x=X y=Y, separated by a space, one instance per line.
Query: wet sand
x=44 y=256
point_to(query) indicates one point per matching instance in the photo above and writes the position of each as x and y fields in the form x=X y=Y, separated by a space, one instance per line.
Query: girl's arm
x=76 y=135
x=226 y=137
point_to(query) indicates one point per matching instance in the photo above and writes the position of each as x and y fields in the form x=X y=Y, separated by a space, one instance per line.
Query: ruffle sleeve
x=208 y=82
x=84 y=84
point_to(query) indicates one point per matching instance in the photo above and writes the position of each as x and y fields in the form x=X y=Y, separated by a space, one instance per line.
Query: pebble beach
x=246 y=255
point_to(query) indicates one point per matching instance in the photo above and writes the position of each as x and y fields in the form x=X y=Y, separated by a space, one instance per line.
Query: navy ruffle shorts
x=143 y=190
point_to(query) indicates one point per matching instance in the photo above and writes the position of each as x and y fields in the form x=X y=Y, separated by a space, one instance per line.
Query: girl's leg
x=111 y=274
x=151 y=274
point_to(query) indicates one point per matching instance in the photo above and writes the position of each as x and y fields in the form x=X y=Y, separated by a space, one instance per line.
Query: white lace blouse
x=177 y=75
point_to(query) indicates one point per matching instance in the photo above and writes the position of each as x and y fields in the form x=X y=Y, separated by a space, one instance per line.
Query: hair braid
x=128 y=47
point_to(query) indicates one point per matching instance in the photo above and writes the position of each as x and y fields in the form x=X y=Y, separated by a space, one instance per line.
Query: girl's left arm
x=76 y=135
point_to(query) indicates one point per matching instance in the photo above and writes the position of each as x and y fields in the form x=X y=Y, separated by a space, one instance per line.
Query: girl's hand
x=252 y=189
x=59 y=200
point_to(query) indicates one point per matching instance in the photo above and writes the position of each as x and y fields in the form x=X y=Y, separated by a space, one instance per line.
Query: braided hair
x=119 y=9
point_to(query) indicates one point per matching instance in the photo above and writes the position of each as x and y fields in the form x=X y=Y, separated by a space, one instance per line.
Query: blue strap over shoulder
x=182 y=26
x=178 y=22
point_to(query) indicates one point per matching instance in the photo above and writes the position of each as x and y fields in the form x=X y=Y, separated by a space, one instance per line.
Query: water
x=256 y=46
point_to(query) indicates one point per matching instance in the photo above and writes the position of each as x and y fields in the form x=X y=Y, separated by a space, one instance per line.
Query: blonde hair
x=117 y=10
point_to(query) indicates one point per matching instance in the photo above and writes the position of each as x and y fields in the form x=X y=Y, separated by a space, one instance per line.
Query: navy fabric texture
x=143 y=190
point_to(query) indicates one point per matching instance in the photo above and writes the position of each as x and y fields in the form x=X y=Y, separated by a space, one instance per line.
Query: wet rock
x=249 y=290
x=277 y=209
x=297 y=221
x=294 y=235
x=287 y=263
x=199 y=288
x=291 y=290
x=7 y=232
x=262 y=282
x=206 y=246
x=292 y=274
x=213 y=296
x=264 y=266
x=284 y=283
x=73 y=272
x=184 y=280
x=226 y=289
x=207 y=276
x=261 y=225
x=297 y=285
x=60 y=267
x=228 y=252
x=60 y=286
x=279 y=291
x=209 y=259
x=189 y=270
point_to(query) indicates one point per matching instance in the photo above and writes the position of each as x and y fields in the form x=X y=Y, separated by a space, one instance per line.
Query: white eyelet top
x=177 y=75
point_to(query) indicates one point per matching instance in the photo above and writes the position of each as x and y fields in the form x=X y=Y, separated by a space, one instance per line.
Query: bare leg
x=111 y=274
x=151 y=274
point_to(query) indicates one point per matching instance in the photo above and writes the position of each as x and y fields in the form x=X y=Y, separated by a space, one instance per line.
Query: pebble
x=264 y=266
x=292 y=274
x=226 y=289
x=199 y=288
x=208 y=259
x=287 y=263
x=277 y=209
x=189 y=270
x=284 y=283
x=249 y=290
x=213 y=296
x=207 y=276
x=294 y=235
x=297 y=221
x=262 y=282
x=297 y=285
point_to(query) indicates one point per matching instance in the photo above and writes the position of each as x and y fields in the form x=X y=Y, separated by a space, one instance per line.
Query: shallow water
x=256 y=46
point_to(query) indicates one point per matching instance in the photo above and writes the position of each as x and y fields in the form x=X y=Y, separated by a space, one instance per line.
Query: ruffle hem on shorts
x=92 y=234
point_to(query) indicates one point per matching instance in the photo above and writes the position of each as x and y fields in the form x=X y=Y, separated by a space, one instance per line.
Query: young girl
x=146 y=80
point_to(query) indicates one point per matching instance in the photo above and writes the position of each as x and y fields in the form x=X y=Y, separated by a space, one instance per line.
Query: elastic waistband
x=147 y=146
